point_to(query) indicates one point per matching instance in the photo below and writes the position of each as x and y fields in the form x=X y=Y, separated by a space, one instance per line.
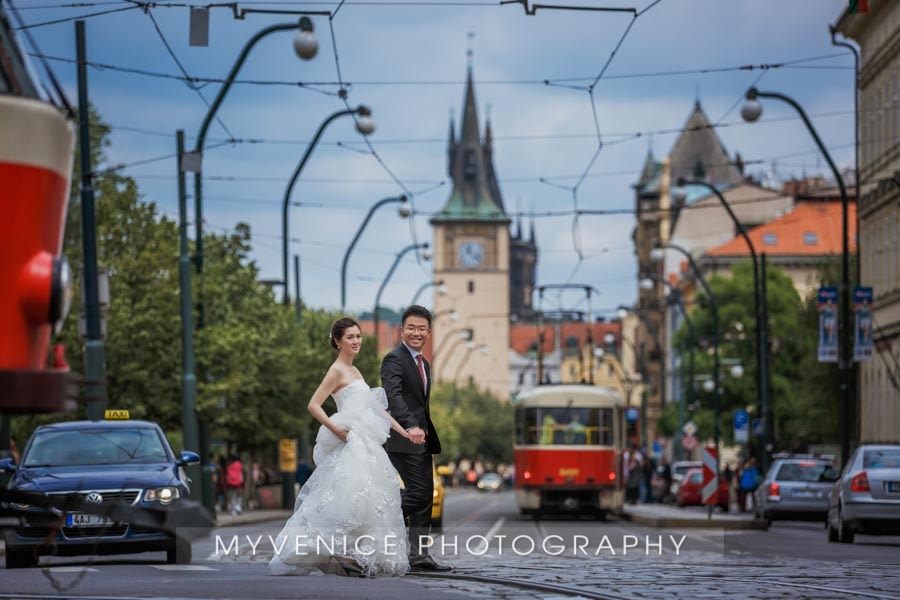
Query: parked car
x=866 y=498
x=795 y=488
x=690 y=492
x=679 y=469
x=490 y=482
x=96 y=461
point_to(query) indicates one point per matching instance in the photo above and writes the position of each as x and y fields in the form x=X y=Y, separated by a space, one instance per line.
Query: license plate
x=805 y=494
x=893 y=486
x=87 y=520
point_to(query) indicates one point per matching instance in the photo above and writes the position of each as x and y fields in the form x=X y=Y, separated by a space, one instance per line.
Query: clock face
x=471 y=254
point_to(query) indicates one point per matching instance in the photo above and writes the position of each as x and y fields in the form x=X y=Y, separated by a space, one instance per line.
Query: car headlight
x=163 y=495
x=435 y=493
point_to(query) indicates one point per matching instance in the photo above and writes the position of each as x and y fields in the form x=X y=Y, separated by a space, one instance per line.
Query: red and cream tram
x=568 y=450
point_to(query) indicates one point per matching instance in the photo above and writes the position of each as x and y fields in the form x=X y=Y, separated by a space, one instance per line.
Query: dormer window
x=810 y=238
x=770 y=239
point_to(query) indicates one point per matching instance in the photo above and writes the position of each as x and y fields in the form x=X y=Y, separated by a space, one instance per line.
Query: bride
x=350 y=506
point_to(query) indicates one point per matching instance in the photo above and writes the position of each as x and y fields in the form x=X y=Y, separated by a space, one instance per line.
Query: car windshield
x=807 y=472
x=95 y=447
x=882 y=458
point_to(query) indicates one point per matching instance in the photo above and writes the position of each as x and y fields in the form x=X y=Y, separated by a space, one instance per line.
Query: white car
x=866 y=499
x=679 y=469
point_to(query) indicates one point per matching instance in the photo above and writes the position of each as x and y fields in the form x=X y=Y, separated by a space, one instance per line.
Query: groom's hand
x=416 y=435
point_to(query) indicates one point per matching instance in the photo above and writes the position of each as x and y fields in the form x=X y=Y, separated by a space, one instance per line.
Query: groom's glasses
x=414 y=329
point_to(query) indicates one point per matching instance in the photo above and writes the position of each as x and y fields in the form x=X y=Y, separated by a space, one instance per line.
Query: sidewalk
x=667 y=515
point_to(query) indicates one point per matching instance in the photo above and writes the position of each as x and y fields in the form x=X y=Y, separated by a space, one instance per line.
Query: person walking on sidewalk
x=234 y=485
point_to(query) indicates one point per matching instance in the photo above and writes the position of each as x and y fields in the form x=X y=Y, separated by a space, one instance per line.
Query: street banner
x=741 y=427
x=828 y=324
x=862 y=323
x=710 y=488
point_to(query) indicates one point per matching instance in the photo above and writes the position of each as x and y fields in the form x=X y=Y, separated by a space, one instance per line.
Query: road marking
x=71 y=569
x=182 y=568
x=482 y=547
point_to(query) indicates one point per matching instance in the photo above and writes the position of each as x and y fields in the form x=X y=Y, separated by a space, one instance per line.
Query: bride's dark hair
x=338 y=329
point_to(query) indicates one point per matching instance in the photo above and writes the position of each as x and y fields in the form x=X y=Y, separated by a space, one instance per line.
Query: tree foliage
x=803 y=392
x=472 y=424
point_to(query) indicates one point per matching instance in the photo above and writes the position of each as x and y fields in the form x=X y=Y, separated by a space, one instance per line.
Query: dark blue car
x=95 y=461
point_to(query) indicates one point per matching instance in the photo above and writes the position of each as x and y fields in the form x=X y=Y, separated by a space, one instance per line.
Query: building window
x=810 y=238
x=770 y=239
x=471 y=286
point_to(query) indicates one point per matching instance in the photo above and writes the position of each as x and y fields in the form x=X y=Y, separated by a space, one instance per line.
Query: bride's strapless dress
x=351 y=504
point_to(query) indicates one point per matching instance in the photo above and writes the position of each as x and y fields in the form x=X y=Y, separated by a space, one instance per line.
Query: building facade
x=878 y=88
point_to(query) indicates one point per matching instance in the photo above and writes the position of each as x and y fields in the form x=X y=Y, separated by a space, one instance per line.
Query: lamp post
x=751 y=111
x=439 y=284
x=400 y=255
x=306 y=47
x=657 y=254
x=365 y=125
x=403 y=210
x=483 y=349
x=466 y=335
x=647 y=283
x=762 y=333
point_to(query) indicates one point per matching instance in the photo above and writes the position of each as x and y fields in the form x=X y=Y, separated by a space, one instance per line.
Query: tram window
x=565 y=426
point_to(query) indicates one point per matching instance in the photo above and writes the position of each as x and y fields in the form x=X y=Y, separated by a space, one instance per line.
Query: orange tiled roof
x=522 y=336
x=811 y=229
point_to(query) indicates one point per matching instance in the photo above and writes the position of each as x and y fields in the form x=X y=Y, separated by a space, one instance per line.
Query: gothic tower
x=472 y=257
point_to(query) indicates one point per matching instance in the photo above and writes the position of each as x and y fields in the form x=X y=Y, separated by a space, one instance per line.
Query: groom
x=406 y=378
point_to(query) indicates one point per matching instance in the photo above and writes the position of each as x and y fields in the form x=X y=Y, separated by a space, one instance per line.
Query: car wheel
x=180 y=553
x=832 y=532
x=20 y=559
x=845 y=534
x=437 y=523
x=600 y=515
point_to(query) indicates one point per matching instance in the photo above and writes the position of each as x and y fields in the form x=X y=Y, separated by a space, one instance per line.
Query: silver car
x=795 y=488
x=866 y=499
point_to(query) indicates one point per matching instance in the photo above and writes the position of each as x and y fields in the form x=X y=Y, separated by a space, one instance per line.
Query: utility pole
x=94 y=350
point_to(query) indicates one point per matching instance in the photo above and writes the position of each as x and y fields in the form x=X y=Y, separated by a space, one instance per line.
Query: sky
x=557 y=148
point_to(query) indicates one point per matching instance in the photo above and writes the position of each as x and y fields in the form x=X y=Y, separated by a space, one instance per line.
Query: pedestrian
x=350 y=505
x=303 y=472
x=406 y=377
x=750 y=480
x=234 y=485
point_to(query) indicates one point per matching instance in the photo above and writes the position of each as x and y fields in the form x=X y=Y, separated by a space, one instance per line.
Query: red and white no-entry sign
x=709 y=455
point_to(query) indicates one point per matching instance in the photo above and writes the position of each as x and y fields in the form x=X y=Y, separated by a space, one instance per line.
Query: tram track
x=525 y=585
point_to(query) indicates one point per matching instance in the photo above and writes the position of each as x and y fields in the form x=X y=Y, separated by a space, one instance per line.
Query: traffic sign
x=741 y=426
x=689 y=428
x=709 y=457
x=632 y=414
x=757 y=427
x=689 y=442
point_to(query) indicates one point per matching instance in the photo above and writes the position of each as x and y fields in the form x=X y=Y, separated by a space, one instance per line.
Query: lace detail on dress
x=351 y=503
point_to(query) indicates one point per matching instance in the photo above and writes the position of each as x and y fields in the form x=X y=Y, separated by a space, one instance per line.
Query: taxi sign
x=689 y=428
x=116 y=415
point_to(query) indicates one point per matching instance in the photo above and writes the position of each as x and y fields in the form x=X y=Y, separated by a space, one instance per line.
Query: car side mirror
x=187 y=458
x=830 y=474
x=7 y=465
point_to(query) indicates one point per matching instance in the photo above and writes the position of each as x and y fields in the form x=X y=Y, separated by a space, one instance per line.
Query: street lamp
x=439 y=285
x=759 y=307
x=305 y=46
x=483 y=349
x=364 y=125
x=403 y=211
x=647 y=284
x=751 y=111
x=657 y=254
x=465 y=335
x=425 y=255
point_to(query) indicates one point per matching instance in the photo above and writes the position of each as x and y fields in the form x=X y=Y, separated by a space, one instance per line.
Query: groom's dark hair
x=416 y=311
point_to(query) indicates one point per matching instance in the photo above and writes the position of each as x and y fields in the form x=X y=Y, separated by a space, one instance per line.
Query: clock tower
x=471 y=243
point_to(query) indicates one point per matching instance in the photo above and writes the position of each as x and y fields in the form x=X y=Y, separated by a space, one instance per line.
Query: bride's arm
x=328 y=385
x=397 y=426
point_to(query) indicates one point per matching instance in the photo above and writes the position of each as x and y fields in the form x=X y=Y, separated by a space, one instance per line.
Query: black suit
x=408 y=404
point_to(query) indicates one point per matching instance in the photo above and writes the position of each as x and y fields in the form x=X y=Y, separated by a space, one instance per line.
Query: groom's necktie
x=422 y=372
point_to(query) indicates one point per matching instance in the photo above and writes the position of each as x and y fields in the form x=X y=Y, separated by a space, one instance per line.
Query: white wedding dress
x=350 y=506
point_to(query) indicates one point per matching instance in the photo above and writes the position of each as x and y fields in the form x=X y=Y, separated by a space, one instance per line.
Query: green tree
x=472 y=424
